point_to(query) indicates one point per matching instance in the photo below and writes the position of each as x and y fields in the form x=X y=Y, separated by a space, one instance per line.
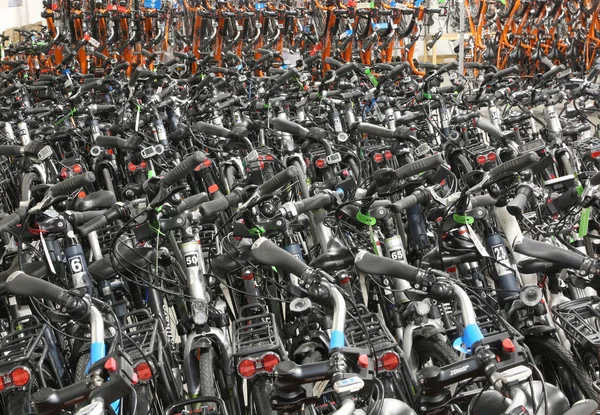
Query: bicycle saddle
x=126 y=259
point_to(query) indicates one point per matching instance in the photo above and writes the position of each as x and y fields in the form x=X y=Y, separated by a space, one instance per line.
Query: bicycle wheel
x=312 y=357
x=433 y=351
x=261 y=392
x=29 y=180
x=560 y=369
x=206 y=368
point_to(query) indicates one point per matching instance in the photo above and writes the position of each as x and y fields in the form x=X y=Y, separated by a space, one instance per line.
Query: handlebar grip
x=192 y=202
x=515 y=165
x=90 y=86
x=19 y=283
x=109 y=141
x=483 y=200
x=11 y=150
x=122 y=66
x=9 y=90
x=10 y=222
x=211 y=129
x=315 y=58
x=79 y=218
x=488 y=127
x=550 y=253
x=397 y=71
x=267 y=253
x=184 y=168
x=506 y=72
x=18 y=69
x=374 y=130
x=419 y=166
x=344 y=69
x=265 y=57
x=316 y=202
x=36 y=110
x=288 y=75
x=374 y=264
x=105 y=108
x=218 y=69
x=404 y=203
x=167 y=91
x=72 y=184
x=554 y=71
x=180 y=55
x=48 y=78
x=135 y=75
x=99 y=55
x=92 y=225
x=290 y=127
x=213 y=207
x=171 y=62
x=278 y=181
x=516 y=206
x=334 y=62
x=473 y=65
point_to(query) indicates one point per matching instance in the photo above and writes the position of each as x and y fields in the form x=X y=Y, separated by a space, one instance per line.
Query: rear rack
x=255 y=334
x=377 y=333
x=141 y=335
x=576 y=317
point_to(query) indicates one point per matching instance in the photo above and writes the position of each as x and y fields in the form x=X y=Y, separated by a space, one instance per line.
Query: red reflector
x=378 y=157
x=76 y=168
x=481 y=160
x=269 y=362
x=390 y=361
x=143 y=371
x=491 y=157
x=81 y=194
x=110 y=151
x=111 y=365
x=20 y=377
x=247 y=368
x=388 y=155
x=206 y=163
x=320 y=163
x=508 y=346
x=143 y=165
x=213 y=188
x=1 y=384
x=595 y=154
x=451 y=269
x=131 y=167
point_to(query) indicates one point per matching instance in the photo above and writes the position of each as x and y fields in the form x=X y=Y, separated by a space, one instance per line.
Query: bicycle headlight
x=530 y=295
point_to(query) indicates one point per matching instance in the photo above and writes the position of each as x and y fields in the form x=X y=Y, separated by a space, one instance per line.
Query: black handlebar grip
x=316 y=202
x=558 y=256
x=315 y=58
x=288 y=75
x=109 y=141
x=265 y=57
x=36 y=110
x=595 y=179
x=10 y=221
x=483 y=200
x=290 y=127
x=377 y=265
x=278 y=181
x=218 y=69
x=92 y=225
x=90 y=86
x=167 y=91
x=72 y=184
x=19 y=69
x=19 y=283
x=171 y=62
x=184 y=168
x=11 y=150
x=375 y=130
x=419 y=166
x=211 y=129
x=552 y=72
x=397 y=71
x=515 y=165
x=206 y=81
x=135 y=75
x=334 y=63
x=9 y=90
x=516 y=206
x=506 y=72
x=105 y=108
x=489 y=128
x=267 y=253
x=192 y=202
x=99 y=55
x=79 y=218
x=122 y=66
x=347 y=68
x=213 y=207
x=448 y=67
x=404 y=203
x=48 y=78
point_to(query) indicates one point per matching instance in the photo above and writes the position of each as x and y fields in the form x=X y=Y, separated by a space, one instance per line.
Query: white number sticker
x=76 y=264
x=191 y=260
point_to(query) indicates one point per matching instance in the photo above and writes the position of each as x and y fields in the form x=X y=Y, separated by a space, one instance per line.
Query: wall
x=19 y=16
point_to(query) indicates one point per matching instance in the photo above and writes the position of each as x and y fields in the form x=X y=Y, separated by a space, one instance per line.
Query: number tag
x=397 y=255
x=76 y=264
x=191 y=260
x=44 y=153
x=333 y=158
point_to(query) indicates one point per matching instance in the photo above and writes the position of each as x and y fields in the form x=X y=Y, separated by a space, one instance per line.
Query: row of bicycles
x=254 y=239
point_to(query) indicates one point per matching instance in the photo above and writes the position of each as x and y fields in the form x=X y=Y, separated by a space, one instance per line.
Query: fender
x=40 y=171
x=317 y=341
x=537 y=331
x=289 y=159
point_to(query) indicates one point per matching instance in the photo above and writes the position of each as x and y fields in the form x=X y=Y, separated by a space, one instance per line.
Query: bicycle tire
x=261 y=393
x=29 y=179
x=82 y=363
x=432 y=348
x=301 y=179
x=206 y=368
x=229 y=174
x=549 y=348
x=565 y=164
x=312 y=357
x=461 y=165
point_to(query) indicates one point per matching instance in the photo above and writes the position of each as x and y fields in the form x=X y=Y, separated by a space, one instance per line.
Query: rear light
x=388 y=155
x=206 y=163
x=247 y=368
x=595 y=154
x=481 y=160
x=252 y=366
x=20 y=377
x=76 y=168
x=17 y=378
x=388 y=361
x=143 y=371
x=486 y=158
x=269 y=362
x=491 y=157
x=320 y=163
x=378 y=157
x=143 y=165
x=131 y=167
